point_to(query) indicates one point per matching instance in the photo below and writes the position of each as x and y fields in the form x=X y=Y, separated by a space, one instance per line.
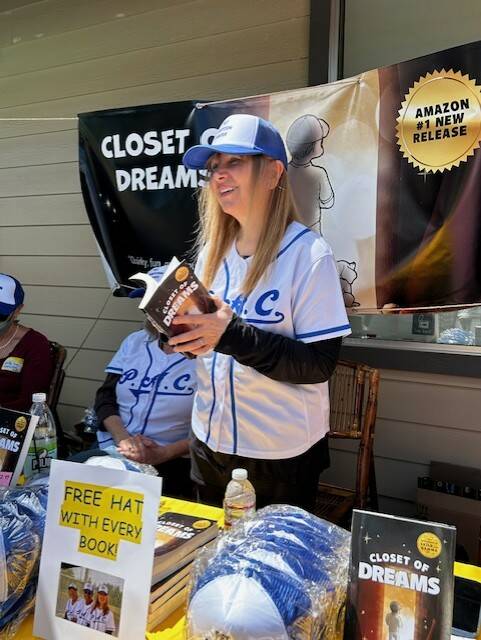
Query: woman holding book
x=269 y=349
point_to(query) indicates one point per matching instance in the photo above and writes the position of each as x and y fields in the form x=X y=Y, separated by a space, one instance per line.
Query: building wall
x=59 y=58
x=421 y=417
x=62 y=57
x=384 y=32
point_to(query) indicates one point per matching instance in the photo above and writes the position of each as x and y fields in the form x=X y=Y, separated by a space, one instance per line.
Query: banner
x=385 y=165
x=138 y=195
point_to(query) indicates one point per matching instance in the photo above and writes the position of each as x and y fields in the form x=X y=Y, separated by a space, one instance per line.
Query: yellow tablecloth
x=172 y=628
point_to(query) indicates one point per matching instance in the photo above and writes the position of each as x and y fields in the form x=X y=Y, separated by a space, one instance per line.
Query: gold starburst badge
x=439 y=123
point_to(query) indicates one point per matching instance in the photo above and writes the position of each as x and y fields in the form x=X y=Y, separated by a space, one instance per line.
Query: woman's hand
x=133 y=448
x=208 y=330
x=147 y=451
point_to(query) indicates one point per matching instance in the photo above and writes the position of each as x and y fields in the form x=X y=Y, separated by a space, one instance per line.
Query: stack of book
x=178 y=539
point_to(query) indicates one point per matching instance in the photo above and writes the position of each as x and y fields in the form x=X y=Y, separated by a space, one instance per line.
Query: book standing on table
x=401 y=579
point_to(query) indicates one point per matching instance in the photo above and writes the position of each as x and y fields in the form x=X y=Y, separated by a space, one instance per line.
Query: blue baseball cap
x=157 y=273
x=240 y=134
x=11 y=294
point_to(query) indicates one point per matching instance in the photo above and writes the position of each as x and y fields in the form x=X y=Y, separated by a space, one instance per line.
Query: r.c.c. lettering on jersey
x=264 y=312
x=130 y=374
x=177 y=387
x=185 y=378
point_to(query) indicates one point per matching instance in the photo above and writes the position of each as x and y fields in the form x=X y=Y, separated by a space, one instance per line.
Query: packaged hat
x=280 y=574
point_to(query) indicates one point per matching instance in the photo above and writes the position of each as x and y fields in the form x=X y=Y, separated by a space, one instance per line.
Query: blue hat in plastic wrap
x=22 y=522
x=272 y=576
x=456 y=336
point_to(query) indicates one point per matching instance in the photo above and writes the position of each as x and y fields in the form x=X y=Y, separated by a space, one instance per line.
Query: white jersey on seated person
x=155 y=390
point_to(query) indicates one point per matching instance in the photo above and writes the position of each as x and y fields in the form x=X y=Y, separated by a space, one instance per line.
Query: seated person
x=145 y=404
x=25 y=361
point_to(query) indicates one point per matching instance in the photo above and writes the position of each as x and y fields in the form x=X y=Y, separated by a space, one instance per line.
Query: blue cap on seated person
x=240 y=134
x=11 y=294
x=156 y=273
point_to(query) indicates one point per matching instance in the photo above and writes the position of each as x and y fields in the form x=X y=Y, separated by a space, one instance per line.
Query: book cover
x=16 y=431
x=178 y=534
x=401 y=579
x=180 y=292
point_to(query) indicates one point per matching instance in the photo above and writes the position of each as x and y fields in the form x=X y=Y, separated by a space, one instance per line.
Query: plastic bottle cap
x=239 y=474
x=39 y=397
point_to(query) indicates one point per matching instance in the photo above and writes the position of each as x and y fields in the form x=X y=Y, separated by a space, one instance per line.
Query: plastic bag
x=128 y=465
x=281 y=574
x=22 y=522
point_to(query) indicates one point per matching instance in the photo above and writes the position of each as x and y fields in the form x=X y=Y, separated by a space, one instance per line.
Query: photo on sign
x=90 y=598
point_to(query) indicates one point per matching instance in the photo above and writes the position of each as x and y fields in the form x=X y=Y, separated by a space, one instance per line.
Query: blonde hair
x=105 y=607
x=218 y=230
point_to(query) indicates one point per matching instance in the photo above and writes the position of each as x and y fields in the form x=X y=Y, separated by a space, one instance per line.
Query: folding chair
x=353 y=391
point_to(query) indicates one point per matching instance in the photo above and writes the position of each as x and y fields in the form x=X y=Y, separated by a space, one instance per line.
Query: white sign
x=97 y=555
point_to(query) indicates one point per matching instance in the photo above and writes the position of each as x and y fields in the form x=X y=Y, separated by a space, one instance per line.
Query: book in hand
x=401 y=579
x=178 y=537
x=16 y=431
x=179 y=292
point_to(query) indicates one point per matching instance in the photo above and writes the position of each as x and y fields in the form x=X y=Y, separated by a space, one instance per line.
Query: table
x=172 y=627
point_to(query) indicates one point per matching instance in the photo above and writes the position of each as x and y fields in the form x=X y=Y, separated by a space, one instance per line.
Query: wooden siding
x=421 y=417
x=62 y=57
x=384 y=32
x=59 y=58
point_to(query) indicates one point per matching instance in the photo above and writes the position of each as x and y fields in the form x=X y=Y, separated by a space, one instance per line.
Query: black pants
x=176 y=482
x=288 y=481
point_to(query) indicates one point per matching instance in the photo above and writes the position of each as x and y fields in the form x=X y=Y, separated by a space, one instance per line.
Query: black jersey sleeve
x=105 y=404
x=278 y=357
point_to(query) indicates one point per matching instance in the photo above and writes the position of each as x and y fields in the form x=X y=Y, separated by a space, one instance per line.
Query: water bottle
x=90 y=421
x=43 y=447
x=239 y=499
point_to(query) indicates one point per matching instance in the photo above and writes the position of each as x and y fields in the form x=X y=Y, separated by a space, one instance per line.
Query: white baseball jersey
x=238 y=410
x=72 y=609
x=155 y=391
x=101 y=621
x=83 y=616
